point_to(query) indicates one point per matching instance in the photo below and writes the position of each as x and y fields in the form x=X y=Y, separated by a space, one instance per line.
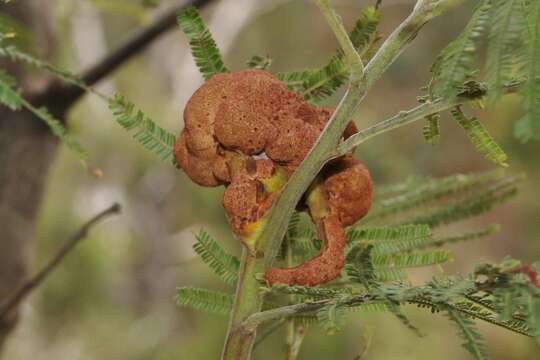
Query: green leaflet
x=528 y=127
x=293 y=228
x=203 y=47
x=391 y=274
x=533 y=315
x=389 y=240
x=389 y=233
x=432 y=129
x=455 y=63
x=259 y=62
x=381 y=307
x=14 y=54
x=416 y=194
x=221 y=263
x=10 y=93
x=10 y=96
x=144 y=130
x=507 y=23
x=332 y=317
x=318 y=292
x=60 y=132
x=474 y=343
x=205 y=300
x=480 y=138
x=367 y=267
x=490 y=315
x=389 y=190
x=466 y=236
x=471 y=205
x=461 y=298
x=415 y=259
x=359 y=267
x=402 y=318
x=14 y=31
x=317 y=84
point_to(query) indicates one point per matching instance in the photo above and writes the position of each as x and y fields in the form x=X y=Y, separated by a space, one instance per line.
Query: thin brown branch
x=31 y=284
x=70 y=93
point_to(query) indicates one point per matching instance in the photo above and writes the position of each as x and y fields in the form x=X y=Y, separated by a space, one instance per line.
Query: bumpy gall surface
x=240 y=130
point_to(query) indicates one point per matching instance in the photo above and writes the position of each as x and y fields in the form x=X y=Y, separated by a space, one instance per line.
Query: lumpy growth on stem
x=248 y=132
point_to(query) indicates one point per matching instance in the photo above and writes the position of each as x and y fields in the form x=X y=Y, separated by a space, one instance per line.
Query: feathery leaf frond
x=533 y=316
x=432 y=129
x=332 y=317
x=389 y=233
x=389 y=240
x=415 y=259
x=10 y=93
x=317 y=84
x=395 y=309
x=426 y=191
x=58 y=129
x=480 y=138
x=466 y=236
x=10 y=96
x=528 y=127
x=507 y=22
x=293 y=227
x=203 y=47
x=317 y=292
x=471 y=205
x=16 y=55
x=220 y=262
x=259 y=62
x=474 y=343
x=455 y=63
x=144 y=130
x=205 y=300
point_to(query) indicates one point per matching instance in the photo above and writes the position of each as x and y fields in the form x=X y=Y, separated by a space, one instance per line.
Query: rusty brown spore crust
x=233 y=119
x=347 y=191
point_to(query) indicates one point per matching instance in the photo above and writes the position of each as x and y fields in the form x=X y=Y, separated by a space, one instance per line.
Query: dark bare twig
x=13 y=301
x=70 y=93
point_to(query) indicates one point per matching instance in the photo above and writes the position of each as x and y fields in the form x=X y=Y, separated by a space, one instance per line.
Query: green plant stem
x=335 y=22
x=403 y=118
x=418 y=113
x=290 y=337
x=295 y=331
x=241 y=336
x=286 y=312
x=324 y=149
x=247 y=301
x=307 y=307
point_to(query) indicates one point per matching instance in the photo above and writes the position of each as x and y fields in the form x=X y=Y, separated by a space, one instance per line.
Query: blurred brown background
x=113 y=297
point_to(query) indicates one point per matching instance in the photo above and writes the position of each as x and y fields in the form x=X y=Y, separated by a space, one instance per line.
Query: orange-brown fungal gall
x=198 y=169
x=345 y=195
x=347 y=185
x=324 y=267
x=244 y=130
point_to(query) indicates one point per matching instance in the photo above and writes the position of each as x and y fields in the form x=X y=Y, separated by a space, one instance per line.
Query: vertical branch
x=334 y=20
x=247 y=301
x=241 y=335
x=324 y=149
x=295 y=331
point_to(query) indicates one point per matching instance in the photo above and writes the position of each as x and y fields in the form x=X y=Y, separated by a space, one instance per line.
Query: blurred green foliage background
x=113 y=298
